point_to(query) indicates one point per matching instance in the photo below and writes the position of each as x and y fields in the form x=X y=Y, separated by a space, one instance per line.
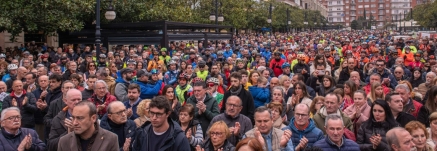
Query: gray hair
x=262 y=109
x=403 y=86
x=376 y=74
x=101 y=81
x=391 y=136
x=7 y=110
x=278 y=88
x=432 y=73
x=333 y=117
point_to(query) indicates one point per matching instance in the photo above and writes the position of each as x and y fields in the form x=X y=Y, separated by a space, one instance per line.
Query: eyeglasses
x=379 y=65
x=92 y=65
x=211 y=84
x=158 y=115
x=120 y=112
x=13 y=118
x=219 y=134
x=297 y=115
x=232 y=105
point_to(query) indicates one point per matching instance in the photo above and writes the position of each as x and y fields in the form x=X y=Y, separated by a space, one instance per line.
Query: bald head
x=396 y=136
x=73 y=92
x=274 y=82
x=236 y=98
x=3 y=87
x=302 y=106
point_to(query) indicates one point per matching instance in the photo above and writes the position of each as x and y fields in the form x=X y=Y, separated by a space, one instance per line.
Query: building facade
x=380 y=11
x=307 y=4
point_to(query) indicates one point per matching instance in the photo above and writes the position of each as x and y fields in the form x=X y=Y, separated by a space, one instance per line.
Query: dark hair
x=189 y=108
x=389 y=118
x=331 y=79
x=430 y=104
x=299 y=76
x=303 y=87
x=164 y=91
x=243 y=72
x=56 y=77
x=76 y=76
x=199 y=83
x=33 y=75
x=236 y=75
x=91 y=106
x=352 y=86
x=92 y=76
x=379 y=60
x=262 y=109
x=67 y=81
x=389 y=95
x=160 y=102
x=88 y=65
x=134 y=86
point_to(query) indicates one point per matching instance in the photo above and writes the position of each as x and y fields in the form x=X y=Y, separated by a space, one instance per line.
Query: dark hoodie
x=311 y=132
x=176 y=140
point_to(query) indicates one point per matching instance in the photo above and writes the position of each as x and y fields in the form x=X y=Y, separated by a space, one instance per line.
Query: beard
x=129 y=78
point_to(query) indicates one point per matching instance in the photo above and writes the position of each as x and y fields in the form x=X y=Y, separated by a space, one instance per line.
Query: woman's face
x=75 y=82
x=275 y=114
x=189 y=69
x=218 y=136
x=347 y=89
x=320 y=60
x=170 y=94
x=140 y=65
x=416 y=74
x=146 y=110
x=359 y=99
x=378 y=113
x=379 y=91
x=298 y=90
x=92 y=66
x=319 y=104
x=184 y=117
x=326 y=83
x=277 y=96
x=419 y=138
x=433 y=126
x=183 y=65
x=287 y=82
x=344 y=64
x=107 y=70
x=254 y=78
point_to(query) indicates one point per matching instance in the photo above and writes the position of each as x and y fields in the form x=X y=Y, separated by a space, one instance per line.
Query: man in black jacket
x=116 y=121
x=43 y=82
x=62 y=123
x=394 y=100
x=26 y=102
x=72 y=68
x=170 y=138
x=345 y=73
x=237 y=89
x=54 y=89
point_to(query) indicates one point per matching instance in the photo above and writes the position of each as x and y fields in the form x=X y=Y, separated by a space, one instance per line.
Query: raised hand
x=198 y=148
x=237 y=128
x=285 y=137
x=129 y=112
x=259 y=137
x=188 y=134
x=127 y=144
x=69 y=124
x=302 y=144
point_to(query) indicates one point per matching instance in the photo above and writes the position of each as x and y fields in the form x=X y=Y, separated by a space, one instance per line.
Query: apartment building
x=307 y=4
x=383 y=11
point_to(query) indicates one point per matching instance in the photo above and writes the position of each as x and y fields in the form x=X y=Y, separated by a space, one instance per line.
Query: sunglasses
x=211 y=84
x=92 y=65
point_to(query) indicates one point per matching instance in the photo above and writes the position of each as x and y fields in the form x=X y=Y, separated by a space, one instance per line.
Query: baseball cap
x=126 y=70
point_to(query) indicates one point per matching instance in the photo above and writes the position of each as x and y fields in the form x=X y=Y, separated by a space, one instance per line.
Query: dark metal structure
x=147 y=33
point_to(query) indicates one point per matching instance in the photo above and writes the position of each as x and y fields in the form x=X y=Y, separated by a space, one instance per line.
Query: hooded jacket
x=311 y=132
x=27 y=110
x=210 y=112
x=110 y=81
x=170 y=77
x=261 y=96
x=121 y=88
x=176 y=140
x=327 y=145
x=148 y=90
x=385 y=74
x=129 y=129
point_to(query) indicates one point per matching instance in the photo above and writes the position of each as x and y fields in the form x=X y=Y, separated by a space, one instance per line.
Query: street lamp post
x=216 y=17
x=400 y=24
x=305 y=20
x=404 y=22
x=109 y=15
x=288 y=20
x=269 y=20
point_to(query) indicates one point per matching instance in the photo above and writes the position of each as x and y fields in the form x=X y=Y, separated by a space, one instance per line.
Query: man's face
x=129 y=76
x=351 y=63
x=355 y=76
x=235 y=82
x=15 y=62
x=155 y=77
x=396 y=103
x=404 y=95
x=12 y=120
x=374 y=79
x=72 y=99
x=380 y=66
x=429 y=78
x=263 y=122
x=399 y=73
x=335 y=130
x=29 y=79
x=173 y=67
x=100 y=90
x=54 y=84
x=57 y=70
x=91 y=82
x=87 y=49
x=405 y=142
x=26 y=63
x=266 y=74
x=158 y=117
x=131 y=65
x=82 y=120
x=233 y=107
x=199 y=92
x=133 y=94
x=118 y=113
x=274 y=82
x=182 y=81
x=73 y=66
x=43 y=82
x=3 y=87
x=301 y=115
x=41 y=72
x=22 y=72
x=399 y=61
x=215 y=70
x=286 y=70
x=331 y=104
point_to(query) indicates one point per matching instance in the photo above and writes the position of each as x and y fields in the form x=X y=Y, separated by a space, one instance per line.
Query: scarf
x=237 y=91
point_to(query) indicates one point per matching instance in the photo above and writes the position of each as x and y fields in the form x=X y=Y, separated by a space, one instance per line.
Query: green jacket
x=319 y=120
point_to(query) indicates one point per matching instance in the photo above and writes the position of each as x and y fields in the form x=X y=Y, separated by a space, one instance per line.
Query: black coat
x=9 y=142
x=39 y=115
x=423 y=116
x=403 y=118
x=248 y=103
x=345 y=75
x=129 y=129
x=227 y=146
x=370 y=128
x=26 y=111
x=53 y=95
x=57 y=130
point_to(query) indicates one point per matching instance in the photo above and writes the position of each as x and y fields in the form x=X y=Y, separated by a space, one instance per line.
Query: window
x=387 y=11
x=366 y=6
x=330 y=3
x=338 y=2
x=373 y=5
x=338 y=14
x=347 y=1
x=373 y=11
x=347 y=7
x=366 y=0
x=360 y=0
x=352 y=7
x=352 y=13
x=352 y=18
x=347 y=24
x=360 y=6
x=347 y=18
x=338 y=8
x=330 y=9
x=347 y=12
x=373 y=0
x=381 y=5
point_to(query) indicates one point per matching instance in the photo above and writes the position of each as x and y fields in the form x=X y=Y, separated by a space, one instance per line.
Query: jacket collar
x=13 y=94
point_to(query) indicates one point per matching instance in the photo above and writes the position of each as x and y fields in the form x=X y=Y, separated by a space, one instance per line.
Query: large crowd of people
x=319 y=90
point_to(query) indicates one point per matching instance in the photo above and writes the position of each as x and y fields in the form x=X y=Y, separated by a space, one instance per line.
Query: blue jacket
x=177 y=141
x=267 y=55
x=6 y=77
x=228 y=54
x=11 y=142
x=261 y=96
x=134 y=108
x=148 y=91
x=170 y=77
x=129 y=128
x=386 y=74
x=312 y=133
x=327 y=145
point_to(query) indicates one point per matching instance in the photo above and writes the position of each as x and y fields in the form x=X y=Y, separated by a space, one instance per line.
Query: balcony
x=353 y=8
x=381 y=1
x=353 y=14
x=380 y=7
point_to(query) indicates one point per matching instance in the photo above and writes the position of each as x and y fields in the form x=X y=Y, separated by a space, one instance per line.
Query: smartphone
x=321 y=72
